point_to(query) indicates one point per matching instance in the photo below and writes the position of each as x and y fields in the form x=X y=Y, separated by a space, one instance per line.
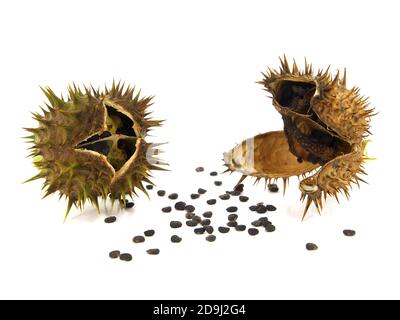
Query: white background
x=201 y=60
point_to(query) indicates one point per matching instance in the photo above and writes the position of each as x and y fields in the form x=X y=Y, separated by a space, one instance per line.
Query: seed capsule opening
x=295 y=95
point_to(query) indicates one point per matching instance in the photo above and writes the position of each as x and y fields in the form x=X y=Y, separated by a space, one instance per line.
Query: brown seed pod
x=325 y=126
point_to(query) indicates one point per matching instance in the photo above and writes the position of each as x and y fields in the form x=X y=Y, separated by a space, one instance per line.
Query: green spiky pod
x=92 y=144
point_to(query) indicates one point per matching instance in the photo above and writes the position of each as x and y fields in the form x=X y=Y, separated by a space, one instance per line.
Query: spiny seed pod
x=325 y=126
x=93 y=144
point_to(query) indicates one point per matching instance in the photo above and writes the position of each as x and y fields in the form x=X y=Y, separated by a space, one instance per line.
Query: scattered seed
x=218 y=183
x=253 y=208
x=166 y=209
x=207 y=214
x=129 y=204
x=211 y=201
x=199 y=169
x=234 y=193
x=232 y=209
x=194 y=196
x=256 y=223
x=272 y=187
x=190 y=208
x=270 y=207
x=175 y=224
x=201 y=191
x=261 y=209
x=189 y=215
x=263 y=219
x=223 y=229
x=232 y=217
x=149 y=233
x=239 y=187
x=200 y=230
x=114 y=254
x=161 y=193
x=191 y=223
x=224 y=196
x=138 y=239
x=125 y=257
x=211 y=238
x=311 y=246
x=176 y=239
x=205 y=222
x=149 y=187
x=232 y=224
x=240 y=227
x=197 y=219
x=253 y=231
x=213 y=173
x=173 y=196
x=209 y=229
x=349 y=233
x=180 y=205
x=243 y=199
x=269 y=227
x=153 y=251
x=111 y=219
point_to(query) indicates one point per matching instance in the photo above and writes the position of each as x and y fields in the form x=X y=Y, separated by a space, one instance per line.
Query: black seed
x=223 y=229
x=253 y=208
x=166 y=209
x=211 y=201
x=138 y=239
x=224 y=196
x=239 y=187
x=270 y=207
x=205 y=222
x=213 y=173
x=129 y=205
x=191 y=223
x=111 y=219
x=201 y=191
x=269 y=227
x=211 y=238
x=232 y=217
x=125 y=257
x=114 y=254
x=199 y=169
x=263 y=219
x=105 y=134
x=256 y=223
x=194 y=196
x=161 y=193
x=180 y=205
x=272 y=187
x=207 y=214
x=173 y=196
x=349 y=233
x=149 y=187
x=200 y=230
x=149 y=233
x=175 y=224
x=209 y=229
x=232 y=209
x=190 y=208
x=243 y=198
x=261 y=209
x=218 y=183
x=253 y=231
x=311 y=246
x=189 y=215
x=232 y=224
x=153 y=251
x=176 y=239
x=240 y=227
x=235 y=193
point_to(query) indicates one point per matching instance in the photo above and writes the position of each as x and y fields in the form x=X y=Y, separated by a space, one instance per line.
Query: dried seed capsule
x=138 y=239
x=253 y=231
x=114 y=254
x=166 y=209
x=180 y=205
x=149 y=233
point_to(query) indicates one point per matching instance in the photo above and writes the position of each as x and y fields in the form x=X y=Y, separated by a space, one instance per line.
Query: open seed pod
x=325 y=127
x=93 y=144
